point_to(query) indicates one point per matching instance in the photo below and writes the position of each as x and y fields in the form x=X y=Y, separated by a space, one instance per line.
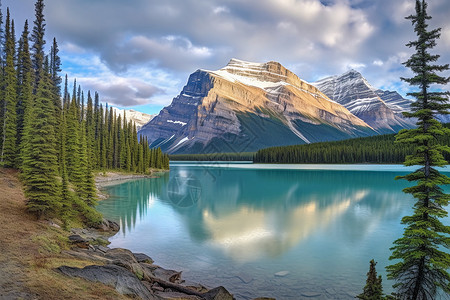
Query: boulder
x=78 y=241
x=120 y=278
x=108 y=226
x=167 y=275
x=143 y=258
x=125 y=258
x=218 y=293
x=121 y=254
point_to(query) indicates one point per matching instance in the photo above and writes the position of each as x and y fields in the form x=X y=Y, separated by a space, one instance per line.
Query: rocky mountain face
x=247 y=106
x=137 y=117
x=379 y=109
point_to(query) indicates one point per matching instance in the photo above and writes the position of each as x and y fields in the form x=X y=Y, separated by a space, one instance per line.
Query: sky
x=138 y=54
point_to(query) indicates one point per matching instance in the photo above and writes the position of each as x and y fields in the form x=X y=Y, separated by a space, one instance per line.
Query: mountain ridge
x=246 y=106
x=380 y=109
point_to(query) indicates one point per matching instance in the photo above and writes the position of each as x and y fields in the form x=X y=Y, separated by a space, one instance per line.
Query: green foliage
x=37 y=37
x=58 y=142
x=8 y=150
x=374 y=288
x=39 y=166
x=374 y=149
x=24 y=84
x=244 y=156
x=421 y=263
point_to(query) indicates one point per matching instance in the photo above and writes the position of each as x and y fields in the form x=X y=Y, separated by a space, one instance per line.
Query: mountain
x=137 y=117
x=380 y=109
x=247 y=106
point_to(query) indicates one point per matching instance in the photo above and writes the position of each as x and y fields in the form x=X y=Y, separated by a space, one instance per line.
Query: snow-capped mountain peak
x=245 y=106
x=137 y=117
x=380 y=109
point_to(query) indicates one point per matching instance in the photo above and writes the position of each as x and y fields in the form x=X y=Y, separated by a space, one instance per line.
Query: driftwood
x=216 y=293
x=170 y=285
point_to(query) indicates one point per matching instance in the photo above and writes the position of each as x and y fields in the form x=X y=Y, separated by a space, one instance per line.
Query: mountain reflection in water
x=213 y=223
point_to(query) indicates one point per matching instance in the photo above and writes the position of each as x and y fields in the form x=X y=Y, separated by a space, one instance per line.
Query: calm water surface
x=244 y=225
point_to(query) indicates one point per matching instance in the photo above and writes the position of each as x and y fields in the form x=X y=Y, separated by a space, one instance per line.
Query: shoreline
x=162 y=283
x=106 y=179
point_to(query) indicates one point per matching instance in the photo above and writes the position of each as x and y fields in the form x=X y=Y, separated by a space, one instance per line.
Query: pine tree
x=8 y=155
x=67 y=212
x=39 y=167
x=55 y=68
x=86 y=187
x=66 y=96
x=37 y=37
x=423 y=266
x=373 y=289
x=90 y=130
x=24 y=83
x=103 y=138
x=73 y=142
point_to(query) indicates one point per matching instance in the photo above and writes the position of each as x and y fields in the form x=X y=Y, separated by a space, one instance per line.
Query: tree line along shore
x=56 y=139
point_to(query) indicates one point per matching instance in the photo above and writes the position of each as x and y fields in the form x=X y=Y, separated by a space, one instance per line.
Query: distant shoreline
x=106 y=179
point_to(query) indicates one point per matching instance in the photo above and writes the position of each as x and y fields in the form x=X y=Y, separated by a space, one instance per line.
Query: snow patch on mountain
x=139 y=118
x=382 y=110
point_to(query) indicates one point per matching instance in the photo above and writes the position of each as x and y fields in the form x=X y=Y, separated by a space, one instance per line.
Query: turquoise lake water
x=283 y=231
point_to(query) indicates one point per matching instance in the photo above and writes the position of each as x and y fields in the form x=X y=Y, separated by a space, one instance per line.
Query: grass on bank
x=31 y=250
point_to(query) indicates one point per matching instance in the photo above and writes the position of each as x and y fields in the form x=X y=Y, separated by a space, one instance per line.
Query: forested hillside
x=243 y=156
x=376 y=149
x=58 y=140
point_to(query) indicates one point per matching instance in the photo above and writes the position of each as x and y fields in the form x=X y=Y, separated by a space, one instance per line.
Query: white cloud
x=132 y=88
x=378 y=63
x=356 y=66
x=160 y=43
x=221 y=9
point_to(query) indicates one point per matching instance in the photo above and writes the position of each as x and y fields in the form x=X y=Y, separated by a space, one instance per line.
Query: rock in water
x=218 y=293
x=281 y=273
x=120 y=278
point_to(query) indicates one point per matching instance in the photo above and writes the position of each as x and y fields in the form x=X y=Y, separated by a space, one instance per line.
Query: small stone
x=311 y=294
x=281 y=273
x=245 y=278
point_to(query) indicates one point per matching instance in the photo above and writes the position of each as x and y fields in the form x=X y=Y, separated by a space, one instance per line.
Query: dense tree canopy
x=56 y=140
x=375 y=149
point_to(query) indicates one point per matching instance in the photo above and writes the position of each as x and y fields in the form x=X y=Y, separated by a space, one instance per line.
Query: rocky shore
x=131 y=274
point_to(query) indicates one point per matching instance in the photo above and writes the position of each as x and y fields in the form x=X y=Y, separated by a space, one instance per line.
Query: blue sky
x=139 y=53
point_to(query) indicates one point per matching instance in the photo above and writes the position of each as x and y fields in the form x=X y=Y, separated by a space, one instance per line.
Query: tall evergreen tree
x=24 y=83
x=423 y=266
x=67 y=212
x=37 y=37
x=39 y=167
x=66 y=96
x=8 y=155
x=73 y=159
x=55 y=68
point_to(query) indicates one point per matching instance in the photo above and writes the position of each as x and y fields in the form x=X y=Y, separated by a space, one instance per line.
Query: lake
x=283 y=231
